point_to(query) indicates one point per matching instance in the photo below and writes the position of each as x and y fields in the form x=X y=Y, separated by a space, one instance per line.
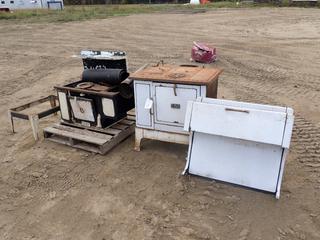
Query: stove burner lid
x=93 y=86
x=85 y=85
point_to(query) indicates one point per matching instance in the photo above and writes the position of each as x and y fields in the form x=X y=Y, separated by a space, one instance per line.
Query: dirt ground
x=51 y=191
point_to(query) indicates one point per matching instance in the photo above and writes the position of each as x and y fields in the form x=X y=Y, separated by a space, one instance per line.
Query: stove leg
x=138 y=138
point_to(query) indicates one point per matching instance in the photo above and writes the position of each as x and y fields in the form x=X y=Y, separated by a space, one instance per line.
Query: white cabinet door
x=171 y=102
x=143 y=104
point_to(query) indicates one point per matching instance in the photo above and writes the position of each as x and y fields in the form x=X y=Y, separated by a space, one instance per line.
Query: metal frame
x=35 y=117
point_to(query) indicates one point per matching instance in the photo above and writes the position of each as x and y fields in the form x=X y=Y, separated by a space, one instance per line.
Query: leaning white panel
x=240 y=143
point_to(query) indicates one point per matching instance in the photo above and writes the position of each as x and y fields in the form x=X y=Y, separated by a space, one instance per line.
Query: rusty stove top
x=184 y=74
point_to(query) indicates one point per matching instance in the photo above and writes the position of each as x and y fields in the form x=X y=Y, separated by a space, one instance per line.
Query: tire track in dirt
x=274 y=80
x=306 y=143
x=306 y=135
x=31 y=76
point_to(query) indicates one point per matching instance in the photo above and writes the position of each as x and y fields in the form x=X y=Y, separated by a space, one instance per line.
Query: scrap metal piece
x=240 y=143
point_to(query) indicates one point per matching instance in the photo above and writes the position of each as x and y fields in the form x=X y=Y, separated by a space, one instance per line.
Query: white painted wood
x=142 y=92
x=82 y=109
x=108 y=107
x=63 y=105
x=247 y=163
x=239 y=122
x=34 y=121
x=171 y=102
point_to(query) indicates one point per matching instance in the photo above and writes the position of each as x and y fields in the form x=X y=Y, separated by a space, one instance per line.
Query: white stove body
x=240 y=143
x=162 y=106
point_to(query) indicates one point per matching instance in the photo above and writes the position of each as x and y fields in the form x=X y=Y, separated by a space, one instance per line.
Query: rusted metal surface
x=87 y=91
x=95 y=87
x=178 y=74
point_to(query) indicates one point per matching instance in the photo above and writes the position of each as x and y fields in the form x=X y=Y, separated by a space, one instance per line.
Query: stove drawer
x=171 y=102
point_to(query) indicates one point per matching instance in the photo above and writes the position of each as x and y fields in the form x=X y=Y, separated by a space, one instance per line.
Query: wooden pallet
x=92 y=139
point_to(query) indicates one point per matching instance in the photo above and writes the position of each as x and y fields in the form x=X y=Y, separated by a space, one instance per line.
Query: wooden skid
x=92 y=139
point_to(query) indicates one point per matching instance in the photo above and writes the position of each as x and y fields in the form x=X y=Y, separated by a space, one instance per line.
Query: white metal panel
x=235 y=121
x=243 y=104
x=236 y=148
x=246 y=163
x=188 y=115
x=171 y=102
x=23 y=4
x=29 y=4
x=108 y=107
x=203 y=91
x=63 y=105
x=142 y=92
x=288 y=129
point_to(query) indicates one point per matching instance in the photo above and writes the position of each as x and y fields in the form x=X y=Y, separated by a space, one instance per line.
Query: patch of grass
x=85 y=12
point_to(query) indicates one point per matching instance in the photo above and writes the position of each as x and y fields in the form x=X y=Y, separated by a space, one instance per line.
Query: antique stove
x=96 y=99
x=161 y=95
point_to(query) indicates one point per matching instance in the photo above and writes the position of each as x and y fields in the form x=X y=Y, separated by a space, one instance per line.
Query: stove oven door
x=171 y=102
x=82 y=109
